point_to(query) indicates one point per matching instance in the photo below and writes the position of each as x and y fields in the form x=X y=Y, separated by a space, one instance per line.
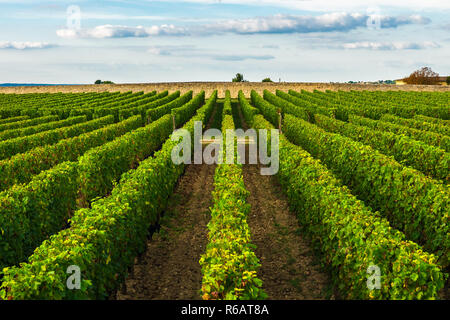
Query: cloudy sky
x=212 y=40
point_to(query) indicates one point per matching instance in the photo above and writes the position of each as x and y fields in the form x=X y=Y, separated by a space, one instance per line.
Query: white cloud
x=169 y=50
x=116 y=31
x=331 y=5
x=280 y=23
x=192 y=51
x=24 y=45
x=339 y=21
x=391 y=45
x=233 y=57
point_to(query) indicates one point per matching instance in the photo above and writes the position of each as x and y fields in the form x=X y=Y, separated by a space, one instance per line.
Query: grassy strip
x=102 y=241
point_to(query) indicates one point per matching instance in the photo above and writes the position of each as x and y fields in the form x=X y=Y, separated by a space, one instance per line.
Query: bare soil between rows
x=290 y=270
x=170 y=269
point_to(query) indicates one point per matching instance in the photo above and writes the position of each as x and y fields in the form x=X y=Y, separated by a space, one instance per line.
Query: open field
x=358 y=209
x=221 y=87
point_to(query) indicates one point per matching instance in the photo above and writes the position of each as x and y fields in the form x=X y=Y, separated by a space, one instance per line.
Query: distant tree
x=267 y=80
x=103 y=82
x=239 y=78
x=423 y=76
x=448 y=81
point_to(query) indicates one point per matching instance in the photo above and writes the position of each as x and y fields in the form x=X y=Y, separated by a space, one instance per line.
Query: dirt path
x=170 y=269
x=289 y=269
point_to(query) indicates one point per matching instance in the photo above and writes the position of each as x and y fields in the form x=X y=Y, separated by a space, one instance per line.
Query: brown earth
x=209 y=87
x=170 y=269
x=289 y=269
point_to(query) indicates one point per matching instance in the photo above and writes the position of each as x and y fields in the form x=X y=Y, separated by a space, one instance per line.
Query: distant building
x=442 y=81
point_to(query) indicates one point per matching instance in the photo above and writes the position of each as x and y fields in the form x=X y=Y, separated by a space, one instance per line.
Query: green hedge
x=14 y=133
x=269 y=110
x=412 y=202
x=350 y=236
x=287 y=107
x=416 y=124
x=376 y=106
x=88 y=112
x=97 y=108
x=14 y=119
x=227 y=109
x=248 y=111
x=115 y=108
x=51 y=196
x=156 y=113
x=27 y=123
x=432 y=120
x=430 y=138
x=22 y=167
x=229 y=265
x=104 y=240
x=185 y=112
x=29 y=213
x=102 y=166
x=311 y=108
x=140 y=108
x=430 y=160
x=10 y=147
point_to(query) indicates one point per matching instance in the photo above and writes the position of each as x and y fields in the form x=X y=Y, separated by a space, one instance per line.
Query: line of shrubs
x=350 y=236
x=229 y=265
x=413 y=203
x=104 y=240
x=430 y=160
